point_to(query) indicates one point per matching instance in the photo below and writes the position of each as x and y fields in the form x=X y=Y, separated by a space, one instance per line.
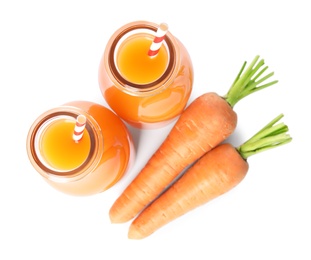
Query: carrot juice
x=87 y=166
x=134 y=63
x=146 y=92
x=58 y=147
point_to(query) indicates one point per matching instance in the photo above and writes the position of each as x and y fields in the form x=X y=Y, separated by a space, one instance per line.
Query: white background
x=49 y=55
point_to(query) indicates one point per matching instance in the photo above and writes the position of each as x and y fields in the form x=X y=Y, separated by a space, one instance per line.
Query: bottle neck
x=134 y=88
x=38 y=157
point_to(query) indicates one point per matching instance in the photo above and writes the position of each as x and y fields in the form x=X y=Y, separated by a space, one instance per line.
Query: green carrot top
x=248 y=82
x=270 y=136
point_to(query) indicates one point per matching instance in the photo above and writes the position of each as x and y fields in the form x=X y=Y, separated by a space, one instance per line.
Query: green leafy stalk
x=270 y=136
x=249 y=81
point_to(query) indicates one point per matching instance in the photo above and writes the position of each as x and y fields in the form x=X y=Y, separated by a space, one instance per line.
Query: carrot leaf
x=249 y=81
x=270 y=136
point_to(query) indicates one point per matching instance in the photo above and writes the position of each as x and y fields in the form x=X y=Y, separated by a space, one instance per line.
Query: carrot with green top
x=214 y=174
x=205 y=123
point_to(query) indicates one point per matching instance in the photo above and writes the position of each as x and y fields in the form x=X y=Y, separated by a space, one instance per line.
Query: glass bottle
x=109 y=144
x=146 y=104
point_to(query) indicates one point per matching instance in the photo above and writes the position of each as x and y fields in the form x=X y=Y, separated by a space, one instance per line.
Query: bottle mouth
x=128 y=31
x=42 y=165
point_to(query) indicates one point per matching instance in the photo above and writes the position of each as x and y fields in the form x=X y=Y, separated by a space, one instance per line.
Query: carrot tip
x=134 y=233
x=116 y=220
x=116 y=217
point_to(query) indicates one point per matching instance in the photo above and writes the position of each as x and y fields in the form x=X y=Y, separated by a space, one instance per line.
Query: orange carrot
x=214 y=174
x=205 y=123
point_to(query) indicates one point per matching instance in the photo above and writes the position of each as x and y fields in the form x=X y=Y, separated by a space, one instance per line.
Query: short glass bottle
x=146 y=104
x=109 y=149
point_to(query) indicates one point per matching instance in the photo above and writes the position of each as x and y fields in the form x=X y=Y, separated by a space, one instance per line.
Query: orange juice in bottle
x=135 y=65
x=59 y=149
x=86 y=166
x=147 y=92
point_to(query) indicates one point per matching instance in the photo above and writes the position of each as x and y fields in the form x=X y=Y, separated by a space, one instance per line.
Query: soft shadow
x=136 y=135
x=236 y=138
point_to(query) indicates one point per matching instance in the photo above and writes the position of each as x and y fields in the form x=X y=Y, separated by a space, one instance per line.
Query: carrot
x=205 y=123
x=214 y=174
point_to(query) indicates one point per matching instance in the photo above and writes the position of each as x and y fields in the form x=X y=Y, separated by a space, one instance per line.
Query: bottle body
x=143 y=103
x=110 y=150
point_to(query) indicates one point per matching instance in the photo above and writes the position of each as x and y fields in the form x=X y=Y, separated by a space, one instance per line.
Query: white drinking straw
x=79 y=128
x=157 y=41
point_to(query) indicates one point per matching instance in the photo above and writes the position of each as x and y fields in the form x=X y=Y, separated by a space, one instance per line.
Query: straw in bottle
x=79 y=128
x=157 y=41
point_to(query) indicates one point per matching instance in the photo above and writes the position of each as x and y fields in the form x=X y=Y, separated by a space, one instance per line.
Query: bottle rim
x=56 y=175
x=141 y=89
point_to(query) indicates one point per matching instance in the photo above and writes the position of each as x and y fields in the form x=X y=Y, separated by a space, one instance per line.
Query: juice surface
x=135 y=65
x=60 y=150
